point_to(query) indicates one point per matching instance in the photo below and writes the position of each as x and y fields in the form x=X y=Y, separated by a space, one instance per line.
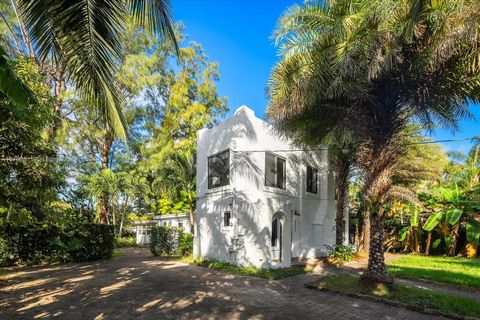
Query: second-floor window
x=312 y=179
x=275 y=171
x=219 y=169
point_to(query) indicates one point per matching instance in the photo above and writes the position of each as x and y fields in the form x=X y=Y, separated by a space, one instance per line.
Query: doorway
x=278 y=223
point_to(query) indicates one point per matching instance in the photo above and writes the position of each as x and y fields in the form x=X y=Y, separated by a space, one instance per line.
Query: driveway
x=138 y=286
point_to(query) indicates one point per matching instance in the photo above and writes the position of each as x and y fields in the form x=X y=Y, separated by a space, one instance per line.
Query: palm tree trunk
x=365 y=238
x=376 y=271
x=357 y=236
x=342 y=167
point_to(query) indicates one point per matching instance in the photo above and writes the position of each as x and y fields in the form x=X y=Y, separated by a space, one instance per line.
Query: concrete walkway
x=138 y=286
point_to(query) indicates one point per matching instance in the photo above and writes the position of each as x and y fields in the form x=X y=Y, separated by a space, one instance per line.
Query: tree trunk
x=59 y=89
x=429 y=243
x=192 y=220
x=365 y=238
x=376 y=271
x=343 y=172
x=416 y=242
x=357 y=237
x=453 y=240
x=105 y=146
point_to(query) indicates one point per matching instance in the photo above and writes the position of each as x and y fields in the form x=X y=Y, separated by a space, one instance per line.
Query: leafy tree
x=30 y=175
x=368 y=67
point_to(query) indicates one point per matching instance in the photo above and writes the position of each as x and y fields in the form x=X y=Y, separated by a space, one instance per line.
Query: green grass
x=412 y=296
x=126 y=242
x=185 y=259
x=453 y=270
x=271 y=274
x=117 y=254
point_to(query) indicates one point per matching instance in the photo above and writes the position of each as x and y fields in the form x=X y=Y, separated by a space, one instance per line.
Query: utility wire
x=274 y=150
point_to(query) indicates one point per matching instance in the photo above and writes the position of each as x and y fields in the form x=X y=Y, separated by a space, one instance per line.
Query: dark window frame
x=312 y=182
x=275 y=184
x=227 y=219
x=209 y=177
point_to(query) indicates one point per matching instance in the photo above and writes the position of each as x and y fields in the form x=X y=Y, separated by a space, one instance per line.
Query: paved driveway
x=138 y=286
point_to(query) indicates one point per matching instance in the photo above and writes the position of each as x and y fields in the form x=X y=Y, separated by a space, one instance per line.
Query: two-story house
x=260 y=200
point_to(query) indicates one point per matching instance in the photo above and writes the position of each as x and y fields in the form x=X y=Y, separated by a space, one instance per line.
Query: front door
x=277 y=237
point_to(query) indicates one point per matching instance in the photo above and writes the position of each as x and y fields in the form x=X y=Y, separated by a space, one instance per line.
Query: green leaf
x=403 y=233
x=454 y=215
x=473 y=231
x=448 y=240
x=414 y=218
x=436 y=243
x=433 y=220
x=10 y=85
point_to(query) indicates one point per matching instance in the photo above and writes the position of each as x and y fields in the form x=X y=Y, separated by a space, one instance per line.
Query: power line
x=274 y=150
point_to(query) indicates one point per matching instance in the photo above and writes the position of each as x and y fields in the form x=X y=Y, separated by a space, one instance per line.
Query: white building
x=261 y=201
x=142 y=228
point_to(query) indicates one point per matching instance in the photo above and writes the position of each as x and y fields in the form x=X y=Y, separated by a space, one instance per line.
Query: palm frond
x=85 y=38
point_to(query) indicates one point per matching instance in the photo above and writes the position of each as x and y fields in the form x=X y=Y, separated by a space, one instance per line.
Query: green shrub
x=341 y=252
x=185 y=243
x=163 y=240
x=125 y=242
x=48 y=242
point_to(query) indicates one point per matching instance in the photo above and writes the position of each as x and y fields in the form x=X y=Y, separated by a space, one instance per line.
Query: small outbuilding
x=142 y=228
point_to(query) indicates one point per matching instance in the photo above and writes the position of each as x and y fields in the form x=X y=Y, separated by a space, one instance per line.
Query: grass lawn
x=117 y=253
x=458 y=271
x=271 y=274
x=412 y=296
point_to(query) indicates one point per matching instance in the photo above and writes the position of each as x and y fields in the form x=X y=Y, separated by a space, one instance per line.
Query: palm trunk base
x=376 y=271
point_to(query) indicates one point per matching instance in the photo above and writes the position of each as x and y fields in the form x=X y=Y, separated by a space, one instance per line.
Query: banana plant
x=457 y=209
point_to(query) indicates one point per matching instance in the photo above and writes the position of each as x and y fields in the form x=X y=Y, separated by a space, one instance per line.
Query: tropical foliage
x=369 y=68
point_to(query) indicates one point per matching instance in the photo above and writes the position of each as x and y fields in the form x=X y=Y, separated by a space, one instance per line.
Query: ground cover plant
x=270 y=274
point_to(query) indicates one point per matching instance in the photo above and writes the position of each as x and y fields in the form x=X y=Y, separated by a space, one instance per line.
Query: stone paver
x=138 y=286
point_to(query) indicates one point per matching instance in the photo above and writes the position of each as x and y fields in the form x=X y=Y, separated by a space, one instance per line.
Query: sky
x=237 y=34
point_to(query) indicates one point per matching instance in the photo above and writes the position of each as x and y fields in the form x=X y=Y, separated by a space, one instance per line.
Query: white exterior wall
x=252 y=204
x=170 y=220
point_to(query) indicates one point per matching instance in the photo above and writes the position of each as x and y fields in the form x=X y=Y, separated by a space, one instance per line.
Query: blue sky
x=236 y=33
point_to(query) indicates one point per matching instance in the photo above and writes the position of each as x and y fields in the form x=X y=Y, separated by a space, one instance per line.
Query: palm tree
x=81 y=41
x=369 y=67
x=178 y=176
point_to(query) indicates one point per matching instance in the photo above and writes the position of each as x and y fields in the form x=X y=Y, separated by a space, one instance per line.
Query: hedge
x=36 y=242
x=170 y=240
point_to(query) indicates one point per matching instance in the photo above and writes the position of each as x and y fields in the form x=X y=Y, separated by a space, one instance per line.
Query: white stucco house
x=142 y=228
x=260 y=200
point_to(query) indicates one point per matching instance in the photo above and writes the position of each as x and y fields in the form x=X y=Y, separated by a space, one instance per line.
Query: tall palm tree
x=369 y=67
x=82 y=41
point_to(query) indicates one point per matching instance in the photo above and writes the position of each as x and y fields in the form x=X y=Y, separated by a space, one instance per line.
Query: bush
x=125 y=242
x=169 y=241
x=163 y=240
x=185 y=243
x=342 y=253
x=48 y=242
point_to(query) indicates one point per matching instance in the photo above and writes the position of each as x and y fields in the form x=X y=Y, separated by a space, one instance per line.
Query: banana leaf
x=473 y=231
x=433 y=220
x=454 y=215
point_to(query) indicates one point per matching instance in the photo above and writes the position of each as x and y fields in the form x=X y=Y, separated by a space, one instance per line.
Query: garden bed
x=270 y=274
